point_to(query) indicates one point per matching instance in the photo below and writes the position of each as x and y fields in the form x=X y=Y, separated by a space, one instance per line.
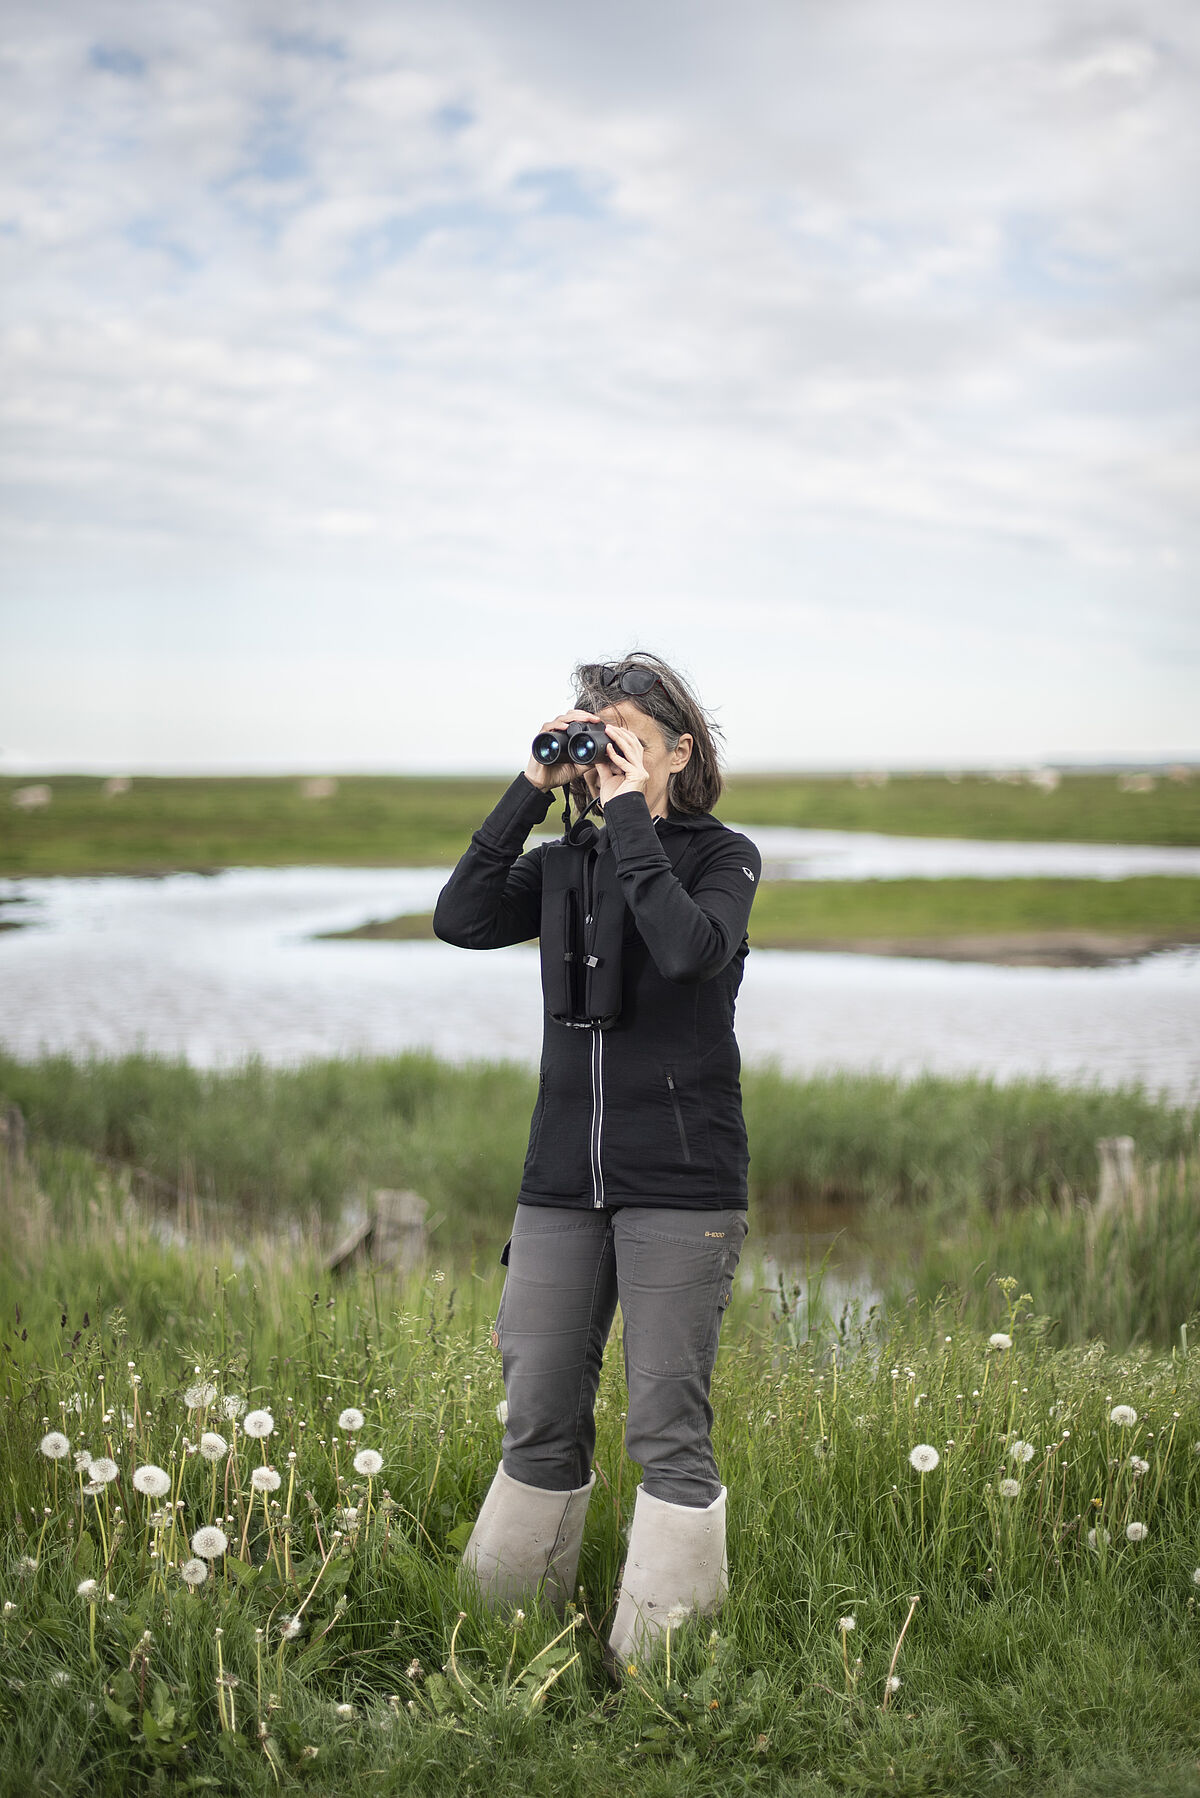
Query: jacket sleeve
x=494 y=896
x=691 y=936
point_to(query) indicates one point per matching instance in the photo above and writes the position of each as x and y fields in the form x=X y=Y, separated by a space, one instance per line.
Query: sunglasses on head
x=634 y=681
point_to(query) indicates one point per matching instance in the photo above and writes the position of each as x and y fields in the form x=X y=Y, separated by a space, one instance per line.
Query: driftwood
x=393 y=1233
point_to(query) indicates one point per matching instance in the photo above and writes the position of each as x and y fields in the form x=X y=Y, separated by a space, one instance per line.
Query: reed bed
x=963 y=1560
x=275 y=1143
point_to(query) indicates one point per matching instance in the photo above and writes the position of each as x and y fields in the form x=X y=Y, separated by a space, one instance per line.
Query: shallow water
x=864 y=855
x=218 y=967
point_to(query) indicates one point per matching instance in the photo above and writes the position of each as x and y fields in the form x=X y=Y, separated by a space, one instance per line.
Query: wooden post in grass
x=392 y=1234
x=1118 y=1175
x=12 y=1147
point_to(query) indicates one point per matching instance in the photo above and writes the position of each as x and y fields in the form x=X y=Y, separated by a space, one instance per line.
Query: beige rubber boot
x=526 y=1542
x=675 y=1568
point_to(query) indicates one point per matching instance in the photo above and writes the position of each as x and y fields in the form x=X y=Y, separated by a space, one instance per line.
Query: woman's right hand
x=559 y=773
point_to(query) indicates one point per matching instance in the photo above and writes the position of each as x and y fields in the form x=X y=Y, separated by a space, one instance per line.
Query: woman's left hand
x=624 y=769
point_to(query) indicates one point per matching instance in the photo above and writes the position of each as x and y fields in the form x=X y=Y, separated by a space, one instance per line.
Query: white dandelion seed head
x=265 y=1479
x=1021 y=1451
x=999 y=1340
x=1010 y=1488
x=154 y=1481
x=1196 y=1577
x=1139 y=1466
x=210 y=1542
x=1095 y=1537
x=232 y=1406
x=54 y=1445
x=92 y=1488
x=194 y=1573
x=344 y=1710
x=351 y=1420
x=924 y=1457
x=104 y=1470
x=213 y=1446
x=88 y=1589
x=1124 y=1415
x=847 y=1623
x=83 y=1460
x=201 y=1394
x=27 y=1566
x=258 y=1423
x=290 y=1628
x=1136 y=1532
x=368 y=1461
x=894 y=1683
x=60 y=1677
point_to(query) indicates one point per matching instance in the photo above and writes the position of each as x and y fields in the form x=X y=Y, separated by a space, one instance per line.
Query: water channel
x=218 y=967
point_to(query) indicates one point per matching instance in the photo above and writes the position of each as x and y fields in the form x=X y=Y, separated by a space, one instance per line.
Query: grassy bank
x=1034 y=1596
x=1049 y=922
x=273 y=1143
x=388 y=821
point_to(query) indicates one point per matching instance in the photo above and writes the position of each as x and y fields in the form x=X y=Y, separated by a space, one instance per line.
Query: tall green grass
x=279 y=1143
x=1030 y=1655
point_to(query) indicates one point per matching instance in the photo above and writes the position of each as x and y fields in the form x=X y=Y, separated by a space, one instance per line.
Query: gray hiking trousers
x=672 y=1272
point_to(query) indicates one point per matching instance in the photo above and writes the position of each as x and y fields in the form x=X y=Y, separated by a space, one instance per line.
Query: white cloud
x=558 y=314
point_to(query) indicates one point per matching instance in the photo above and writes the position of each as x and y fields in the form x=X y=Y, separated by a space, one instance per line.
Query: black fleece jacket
x=646 y=1111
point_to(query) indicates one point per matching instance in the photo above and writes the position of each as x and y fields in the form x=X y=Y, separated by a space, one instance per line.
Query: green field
x=384 y=821
x=1063 y=922
x=1034 y=1596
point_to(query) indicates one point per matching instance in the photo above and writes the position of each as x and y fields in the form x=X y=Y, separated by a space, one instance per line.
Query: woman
x=634 y=1186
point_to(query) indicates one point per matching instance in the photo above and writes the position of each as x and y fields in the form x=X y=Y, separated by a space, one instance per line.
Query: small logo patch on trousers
x=714 y=1232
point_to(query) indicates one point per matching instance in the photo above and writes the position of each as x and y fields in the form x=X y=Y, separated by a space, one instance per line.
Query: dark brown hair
x=696 y=786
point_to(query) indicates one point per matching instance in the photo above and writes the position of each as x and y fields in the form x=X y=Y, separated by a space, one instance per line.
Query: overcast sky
x=365 y=365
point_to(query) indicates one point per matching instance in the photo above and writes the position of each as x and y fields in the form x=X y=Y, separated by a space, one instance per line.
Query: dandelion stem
x=287 y=1519
x=555 y=1673
x=477 y=1702
x=887 y=1691
x=221 y=1684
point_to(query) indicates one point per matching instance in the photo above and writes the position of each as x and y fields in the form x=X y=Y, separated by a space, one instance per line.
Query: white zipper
x=597 y=1116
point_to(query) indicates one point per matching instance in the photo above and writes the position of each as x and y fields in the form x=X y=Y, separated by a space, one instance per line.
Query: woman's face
x=660 y=761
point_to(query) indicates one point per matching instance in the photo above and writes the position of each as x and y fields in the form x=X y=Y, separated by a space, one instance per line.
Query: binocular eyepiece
x=582 y=744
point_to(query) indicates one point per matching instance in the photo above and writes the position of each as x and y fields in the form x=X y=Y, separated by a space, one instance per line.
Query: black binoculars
x=582 y=744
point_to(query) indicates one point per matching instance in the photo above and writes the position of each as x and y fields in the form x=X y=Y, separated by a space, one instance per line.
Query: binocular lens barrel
x=582 y=744
x=547 y=748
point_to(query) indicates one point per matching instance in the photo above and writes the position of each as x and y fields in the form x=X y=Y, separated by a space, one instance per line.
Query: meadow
x=1053 y=922
x=199 y=822
x=963 y=1530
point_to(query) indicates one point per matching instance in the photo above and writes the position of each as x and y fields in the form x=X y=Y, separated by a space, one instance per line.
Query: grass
x=1029 y=1657
x=787 y=912
x=270 y=1144
x=1050 y=916
x=388 y=821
